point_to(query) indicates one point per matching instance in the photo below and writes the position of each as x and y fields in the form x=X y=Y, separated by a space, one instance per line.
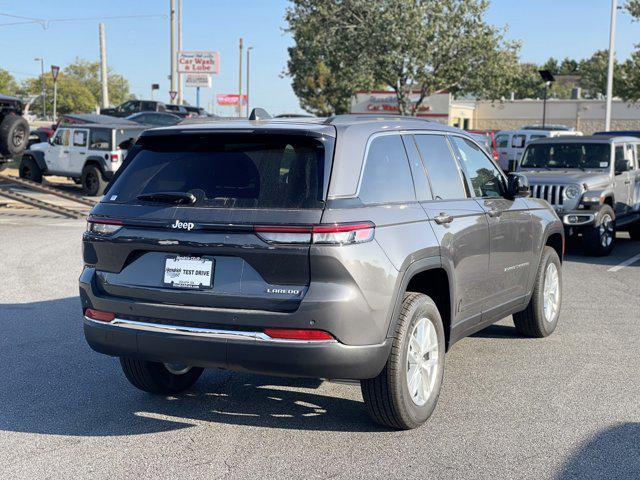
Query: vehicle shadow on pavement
x=53 y=383
x=623 y=249
x=612 y=453
x=499 y=331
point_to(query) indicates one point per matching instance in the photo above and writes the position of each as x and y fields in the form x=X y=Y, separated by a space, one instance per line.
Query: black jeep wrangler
x=14 y=129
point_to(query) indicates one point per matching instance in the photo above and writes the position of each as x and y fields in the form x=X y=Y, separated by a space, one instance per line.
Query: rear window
x=123 y=134
x=230 y=170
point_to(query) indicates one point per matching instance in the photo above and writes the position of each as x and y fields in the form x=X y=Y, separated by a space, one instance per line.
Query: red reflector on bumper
x=99 y=315
x=298 y=334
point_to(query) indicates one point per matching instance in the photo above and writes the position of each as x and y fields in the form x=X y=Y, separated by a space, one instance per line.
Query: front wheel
x=405 y=393
x=159 y=378
x=29 y=169
x=599 y=238
x=540 y=318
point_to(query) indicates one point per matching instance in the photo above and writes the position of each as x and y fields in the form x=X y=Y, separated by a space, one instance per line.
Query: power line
x=44 y=22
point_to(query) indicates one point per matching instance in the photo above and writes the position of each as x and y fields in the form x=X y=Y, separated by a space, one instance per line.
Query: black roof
x=583 y=139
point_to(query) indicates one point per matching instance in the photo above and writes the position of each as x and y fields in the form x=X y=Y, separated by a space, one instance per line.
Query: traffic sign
x=173 y=94
x=55 y=70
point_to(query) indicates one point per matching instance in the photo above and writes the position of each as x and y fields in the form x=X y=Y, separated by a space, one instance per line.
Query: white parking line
x=626 y=263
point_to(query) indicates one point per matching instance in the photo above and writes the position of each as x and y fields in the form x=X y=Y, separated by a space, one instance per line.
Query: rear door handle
x=65 y=151
x=82 y=153
x=443 y=218
x=494 y=213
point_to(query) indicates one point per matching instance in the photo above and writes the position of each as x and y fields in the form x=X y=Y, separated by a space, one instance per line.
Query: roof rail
x=357 y=117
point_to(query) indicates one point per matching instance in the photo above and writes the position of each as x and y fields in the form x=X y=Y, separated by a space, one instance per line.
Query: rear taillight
x=99 y=315
x=115 y=157
x=299 y=334
x=103 y=226
x=329 y=234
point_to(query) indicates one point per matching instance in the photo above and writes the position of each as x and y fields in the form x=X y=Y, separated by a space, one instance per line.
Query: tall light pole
x=44 y=90
x=612 y=56
x=172 y=19
x=179 y=49
x=240 y=80
x=103 y=68
x=248 y=67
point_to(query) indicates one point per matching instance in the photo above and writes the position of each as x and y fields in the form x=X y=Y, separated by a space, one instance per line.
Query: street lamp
x=248 y=65
x=547 y=77
x=44 y=91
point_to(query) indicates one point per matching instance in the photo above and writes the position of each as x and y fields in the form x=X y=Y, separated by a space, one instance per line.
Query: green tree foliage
x=89 y=74
x=633 y=7
x=73 y=95
x=8 y=85
x=419 y=46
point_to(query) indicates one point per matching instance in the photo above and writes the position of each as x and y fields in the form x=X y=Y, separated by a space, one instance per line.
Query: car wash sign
x=202 y=62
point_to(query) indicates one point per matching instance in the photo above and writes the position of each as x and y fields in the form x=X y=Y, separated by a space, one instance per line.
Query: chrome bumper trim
x=218 y=334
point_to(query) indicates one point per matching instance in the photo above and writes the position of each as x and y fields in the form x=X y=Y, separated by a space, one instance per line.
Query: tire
x=536 y=320
x=93 y=183
x=388 y=397
x=14 y=135
x=634 y=231
x=156 y=378
x=599 y=239
x=29 y=169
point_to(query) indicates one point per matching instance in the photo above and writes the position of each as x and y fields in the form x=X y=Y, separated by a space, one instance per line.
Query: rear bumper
x=235 y=350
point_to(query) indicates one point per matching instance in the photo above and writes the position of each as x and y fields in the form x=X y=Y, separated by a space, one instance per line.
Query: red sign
x=173 y=94
x=55 y=70
x=229 y=99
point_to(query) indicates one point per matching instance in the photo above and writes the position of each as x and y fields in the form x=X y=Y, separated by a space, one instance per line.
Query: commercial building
x=582 y=114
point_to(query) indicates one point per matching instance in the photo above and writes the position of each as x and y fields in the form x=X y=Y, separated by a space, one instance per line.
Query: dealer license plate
x=188 y=272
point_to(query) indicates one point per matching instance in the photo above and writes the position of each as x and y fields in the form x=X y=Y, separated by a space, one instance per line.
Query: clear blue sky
x=139 y=48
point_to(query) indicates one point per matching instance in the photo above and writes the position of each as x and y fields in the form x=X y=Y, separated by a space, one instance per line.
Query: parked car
x=84 y=118
x=621 y=133
x=489 y=141
x=592 y=182
x=134 y=106
x=90 y=154
x=553 y=127
x=14 y=129
x=196 y=111
x=510 y=144
x=157 y=119
x=179 y=110
x=287 y=248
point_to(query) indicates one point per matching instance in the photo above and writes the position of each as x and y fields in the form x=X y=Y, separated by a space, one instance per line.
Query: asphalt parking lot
x=564 y=407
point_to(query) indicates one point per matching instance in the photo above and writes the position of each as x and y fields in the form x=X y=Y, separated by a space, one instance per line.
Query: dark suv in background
x=358 y=248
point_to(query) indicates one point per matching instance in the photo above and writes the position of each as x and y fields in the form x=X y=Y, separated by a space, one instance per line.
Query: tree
x=414 y=47
x=633 y=7
x=73 y=95
x=8 y=85
x=89 y=74
x=593 y=75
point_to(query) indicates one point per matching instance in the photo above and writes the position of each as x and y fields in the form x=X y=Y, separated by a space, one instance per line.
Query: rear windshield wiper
x=169 y=197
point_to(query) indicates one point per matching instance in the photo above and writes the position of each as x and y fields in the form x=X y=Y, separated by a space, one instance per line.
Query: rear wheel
x=29 y=169
x=599 y=238
x=540 y=318
x=93 y=183
x=159 y=378
x=405 y=393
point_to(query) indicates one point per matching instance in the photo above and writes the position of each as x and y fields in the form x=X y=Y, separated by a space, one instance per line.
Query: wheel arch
x=38 y=157
x=430 y=277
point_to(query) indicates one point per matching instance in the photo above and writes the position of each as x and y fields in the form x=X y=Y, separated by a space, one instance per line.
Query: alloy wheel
x=551 y=292
x=422 y=361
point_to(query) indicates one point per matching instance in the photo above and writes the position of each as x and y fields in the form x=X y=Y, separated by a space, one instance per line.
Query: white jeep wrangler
x=89 y=154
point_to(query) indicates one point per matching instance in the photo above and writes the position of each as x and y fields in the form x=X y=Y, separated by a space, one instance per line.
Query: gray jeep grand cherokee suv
x=358 y=248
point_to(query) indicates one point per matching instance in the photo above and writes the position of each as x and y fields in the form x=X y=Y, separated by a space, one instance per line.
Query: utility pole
x=612 y=56
x=240 y=81
x=103 y=68
x=44 y=89
x=179 y=49
x=248 y=67
x=172 y=19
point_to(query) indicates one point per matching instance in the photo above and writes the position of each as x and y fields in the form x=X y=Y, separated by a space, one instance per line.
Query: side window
x=518 y=141
x=631 y=151
x=79 y=138
x=446 y=182
x=62 y=137
x=486 y=180
x=386 y=177
x=502 y=141
x=100 y=139
x=535 y=137
x=148 y=106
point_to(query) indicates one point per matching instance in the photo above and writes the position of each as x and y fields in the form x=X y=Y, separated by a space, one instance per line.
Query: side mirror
x=517 y=185
x=622 y=166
